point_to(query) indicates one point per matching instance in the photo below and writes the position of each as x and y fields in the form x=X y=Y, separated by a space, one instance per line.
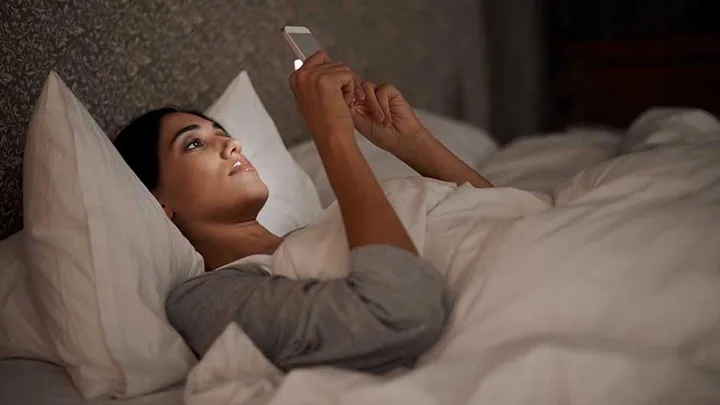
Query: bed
x=585 y=173
x=588 y=275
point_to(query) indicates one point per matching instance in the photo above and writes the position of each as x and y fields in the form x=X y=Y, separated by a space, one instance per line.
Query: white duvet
x=604 y=291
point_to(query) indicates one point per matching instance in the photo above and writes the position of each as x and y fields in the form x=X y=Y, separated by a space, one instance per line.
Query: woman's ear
x=168 y=211
x=165 y=206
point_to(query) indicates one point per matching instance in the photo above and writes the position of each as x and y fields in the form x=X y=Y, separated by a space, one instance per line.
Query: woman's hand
x=324 y=90
x=385 y=118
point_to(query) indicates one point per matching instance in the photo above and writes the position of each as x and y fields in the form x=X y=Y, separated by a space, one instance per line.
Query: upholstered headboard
x=122 y=57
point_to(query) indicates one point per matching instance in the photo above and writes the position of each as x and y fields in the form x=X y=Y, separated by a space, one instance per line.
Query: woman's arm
x=321 y=88
x=386 y=119
x=368 y=216
x=429 y=157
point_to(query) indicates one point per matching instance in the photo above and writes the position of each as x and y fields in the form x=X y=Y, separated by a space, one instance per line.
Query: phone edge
x=294 y=46
x=306 y=29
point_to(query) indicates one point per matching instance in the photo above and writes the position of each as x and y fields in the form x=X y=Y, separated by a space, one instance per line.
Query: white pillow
x=22 y=332
x=293 y=200
x=662 y=126
x=103 y=255
x=539 y=163
x=669 y=153
x=469 y=143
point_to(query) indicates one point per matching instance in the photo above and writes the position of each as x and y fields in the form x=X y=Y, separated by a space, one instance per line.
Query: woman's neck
x=220 y=244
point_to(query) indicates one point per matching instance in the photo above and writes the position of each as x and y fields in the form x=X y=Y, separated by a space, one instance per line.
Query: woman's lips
x=242 y=165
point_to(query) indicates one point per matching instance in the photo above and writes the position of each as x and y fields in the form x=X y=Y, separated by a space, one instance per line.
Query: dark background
x=558 y=63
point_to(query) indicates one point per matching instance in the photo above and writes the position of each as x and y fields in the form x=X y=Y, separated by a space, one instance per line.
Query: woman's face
x=203 y=174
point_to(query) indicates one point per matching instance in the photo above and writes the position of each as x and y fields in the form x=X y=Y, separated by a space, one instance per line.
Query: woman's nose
x=231 y=148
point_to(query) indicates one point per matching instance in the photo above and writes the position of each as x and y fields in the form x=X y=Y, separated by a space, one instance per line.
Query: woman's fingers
x=384 y=93
x=321 y=61
x=317 y=59
x=347 y=78
x=372 y=101
x=319 y=69
x=359 y=91
x=350 y=93
x=314 y=67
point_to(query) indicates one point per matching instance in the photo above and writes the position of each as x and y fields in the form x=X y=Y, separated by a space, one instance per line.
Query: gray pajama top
x=390 y=309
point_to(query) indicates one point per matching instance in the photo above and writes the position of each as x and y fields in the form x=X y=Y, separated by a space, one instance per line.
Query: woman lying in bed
x=389 y=310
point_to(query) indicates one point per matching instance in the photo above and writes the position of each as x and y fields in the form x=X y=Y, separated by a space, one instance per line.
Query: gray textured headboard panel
x=122 y=57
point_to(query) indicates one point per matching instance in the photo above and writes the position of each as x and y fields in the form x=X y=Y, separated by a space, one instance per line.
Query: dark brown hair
x=138 y=142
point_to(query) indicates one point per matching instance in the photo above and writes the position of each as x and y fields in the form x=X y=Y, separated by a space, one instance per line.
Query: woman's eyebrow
x=178 y=134
x=217 y=126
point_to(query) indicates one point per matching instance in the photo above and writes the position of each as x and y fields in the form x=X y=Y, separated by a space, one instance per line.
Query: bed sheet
x=24 y=382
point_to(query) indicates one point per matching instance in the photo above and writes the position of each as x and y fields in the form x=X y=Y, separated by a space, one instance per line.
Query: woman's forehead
x=174 y=122
x=178 y=120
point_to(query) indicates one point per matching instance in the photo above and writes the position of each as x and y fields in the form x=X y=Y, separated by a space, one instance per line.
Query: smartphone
x=302 y=41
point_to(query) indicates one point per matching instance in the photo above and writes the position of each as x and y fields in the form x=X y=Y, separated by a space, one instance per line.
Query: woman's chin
x=247 y=176
x=248 y=183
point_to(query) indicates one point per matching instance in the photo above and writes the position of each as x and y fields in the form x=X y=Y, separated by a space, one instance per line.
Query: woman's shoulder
x=211 y=282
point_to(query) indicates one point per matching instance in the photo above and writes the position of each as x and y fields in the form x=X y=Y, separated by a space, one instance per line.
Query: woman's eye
x=195 y=143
